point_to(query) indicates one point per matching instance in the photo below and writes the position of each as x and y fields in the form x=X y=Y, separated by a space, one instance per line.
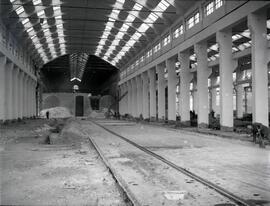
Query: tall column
x=185 y=78
x=259 y=52
x=3 y=88
x=134 y=98
x=15 y=93
x=226 y=67
x=195 y=97
x=139 y=95
x=152 y=93
x=24 y=94
x=9 y=94
x=214 y=93
x=129 y=97
x=145 y=95
x=125 y=98
x=239 y=95
x=172 y=81
x=33 y=98
x=29 y=101
x=202 y=83
x=20 y=94
x=161 y=91
x=120 y=103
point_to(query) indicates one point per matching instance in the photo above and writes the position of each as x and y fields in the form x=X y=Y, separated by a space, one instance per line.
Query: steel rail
x=238 y=200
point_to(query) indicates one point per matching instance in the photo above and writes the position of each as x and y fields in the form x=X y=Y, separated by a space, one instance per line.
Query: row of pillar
x=17 y=92
x=141 y=98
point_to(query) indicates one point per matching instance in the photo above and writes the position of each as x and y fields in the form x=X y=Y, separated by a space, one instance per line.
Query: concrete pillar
x=134 y=98
x=152 y=93
x=33 y=97
x=3 y=89
x=139 y=96
x=202 y=83
x=15 y=93
x=19 y=100
x=20 y=95
x=29 y=100
x=239 y=95
x=161 y=91
x=145 y=95
x=226 y=67
x=125 y=98
x=214 y=94
x=185 y=78
x=129 y=97
x=24 y=95
x=9 y=93
x=259 y=52
x=120 y=103
x=195 y=97
x=172 y=81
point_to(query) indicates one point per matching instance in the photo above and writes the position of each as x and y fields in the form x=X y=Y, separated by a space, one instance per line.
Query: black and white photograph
x=134 y=103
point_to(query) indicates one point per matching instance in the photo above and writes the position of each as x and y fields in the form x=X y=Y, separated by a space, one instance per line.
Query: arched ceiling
x=114 y=30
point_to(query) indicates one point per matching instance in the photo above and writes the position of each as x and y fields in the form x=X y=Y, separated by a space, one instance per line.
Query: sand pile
x=56 y=112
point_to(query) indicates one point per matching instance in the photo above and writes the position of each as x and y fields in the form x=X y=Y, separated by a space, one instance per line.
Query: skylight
x=36 y=2
x=19 y=10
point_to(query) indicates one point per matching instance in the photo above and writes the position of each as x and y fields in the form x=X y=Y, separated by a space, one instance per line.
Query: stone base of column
x=226 y=129
x=203 y=125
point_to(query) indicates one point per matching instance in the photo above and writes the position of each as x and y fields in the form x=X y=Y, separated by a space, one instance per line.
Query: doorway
x=79 y=106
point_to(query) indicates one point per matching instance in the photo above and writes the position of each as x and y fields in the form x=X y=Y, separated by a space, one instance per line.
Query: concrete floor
x=240 y=167
x=72 y=173
x=34 y=173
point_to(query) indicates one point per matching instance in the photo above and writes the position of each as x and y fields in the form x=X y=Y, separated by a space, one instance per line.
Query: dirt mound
x=56 y=112
x=69 y=134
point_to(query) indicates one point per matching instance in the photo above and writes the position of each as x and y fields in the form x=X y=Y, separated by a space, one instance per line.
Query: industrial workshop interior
x=135 y=102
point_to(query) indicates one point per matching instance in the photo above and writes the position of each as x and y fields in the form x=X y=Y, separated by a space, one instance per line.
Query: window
x=218 y=3
x=177 y=32
x=25 y=21
x=36 y=2
x=19 y=10
x=149 y=53
x=41 y=13
x=166 y=40
x=197 y=18
x=142 y=59
x=209 y=9
x=137 y=63
x=193 y=20
x=157 y=48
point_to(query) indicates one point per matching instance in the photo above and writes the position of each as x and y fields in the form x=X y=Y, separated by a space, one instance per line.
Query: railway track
x=234 y=198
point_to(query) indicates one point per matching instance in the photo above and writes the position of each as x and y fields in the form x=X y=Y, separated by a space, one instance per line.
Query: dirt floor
x=238 y=166
x=36 y=173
